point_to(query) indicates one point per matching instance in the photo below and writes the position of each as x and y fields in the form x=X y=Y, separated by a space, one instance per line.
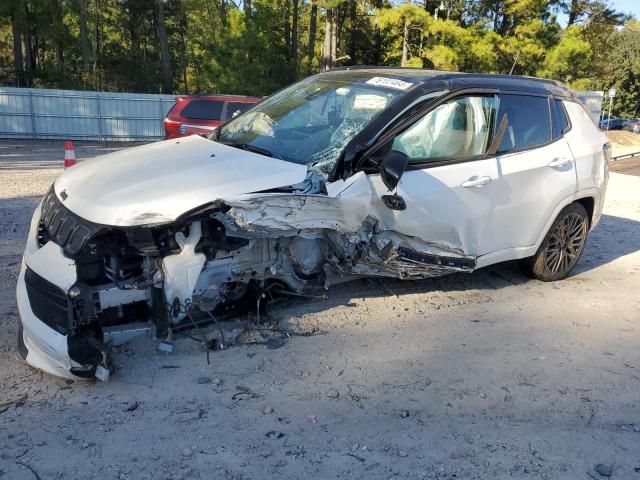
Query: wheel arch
x=589 y=205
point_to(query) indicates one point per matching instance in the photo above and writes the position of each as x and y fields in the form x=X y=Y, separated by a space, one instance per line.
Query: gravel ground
x=482 y=376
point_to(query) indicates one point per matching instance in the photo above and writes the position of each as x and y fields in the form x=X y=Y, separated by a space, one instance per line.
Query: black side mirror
x=393 y=166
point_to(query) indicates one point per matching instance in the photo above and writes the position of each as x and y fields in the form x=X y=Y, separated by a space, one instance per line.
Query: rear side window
x=236 y=108
x=203 y=110
x=560 y=120
x=529 y=122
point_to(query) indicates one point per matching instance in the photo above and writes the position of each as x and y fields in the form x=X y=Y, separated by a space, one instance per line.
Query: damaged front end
x=216 y=259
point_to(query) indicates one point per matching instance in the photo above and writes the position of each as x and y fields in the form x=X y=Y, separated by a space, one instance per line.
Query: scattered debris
x=274 y=343
x=272 y=434
x=312 y=419
x=404 y=414
x=403 y=453
x=352 y=455
x=204 y=380
x=134 y=406
x=187 y=452
x=333 y=393
x=268 y=410
x=604 y=469
x=102 y=373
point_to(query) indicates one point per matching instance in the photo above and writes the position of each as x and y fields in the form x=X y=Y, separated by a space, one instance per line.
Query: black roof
x=457 y=80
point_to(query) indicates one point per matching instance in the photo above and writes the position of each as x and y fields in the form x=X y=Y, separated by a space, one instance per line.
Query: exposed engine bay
x=222 y=258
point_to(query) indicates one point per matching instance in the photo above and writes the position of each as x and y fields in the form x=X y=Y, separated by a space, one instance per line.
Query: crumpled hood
x=158 y=182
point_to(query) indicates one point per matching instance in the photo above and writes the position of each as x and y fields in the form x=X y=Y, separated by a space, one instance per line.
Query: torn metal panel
x=343 y=209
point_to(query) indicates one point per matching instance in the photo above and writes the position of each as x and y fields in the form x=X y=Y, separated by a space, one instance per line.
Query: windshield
x=310 y=122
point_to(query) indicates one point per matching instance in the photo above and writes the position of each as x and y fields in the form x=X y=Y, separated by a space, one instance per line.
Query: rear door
x=536 y=170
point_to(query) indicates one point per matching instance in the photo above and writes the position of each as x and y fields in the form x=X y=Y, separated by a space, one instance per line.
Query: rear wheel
x=562 y=247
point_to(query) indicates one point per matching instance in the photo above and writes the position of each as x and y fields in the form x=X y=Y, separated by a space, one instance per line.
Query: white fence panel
x=40 y=113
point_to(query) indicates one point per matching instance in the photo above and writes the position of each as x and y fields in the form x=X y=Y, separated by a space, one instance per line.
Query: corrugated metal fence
x=40 y=113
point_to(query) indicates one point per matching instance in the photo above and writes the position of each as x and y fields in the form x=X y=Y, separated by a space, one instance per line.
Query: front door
x=450 y=185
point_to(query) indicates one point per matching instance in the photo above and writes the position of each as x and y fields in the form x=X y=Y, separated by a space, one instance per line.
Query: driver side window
x=457 y=129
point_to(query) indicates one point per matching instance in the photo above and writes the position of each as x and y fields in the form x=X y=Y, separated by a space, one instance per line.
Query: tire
x=562 y=247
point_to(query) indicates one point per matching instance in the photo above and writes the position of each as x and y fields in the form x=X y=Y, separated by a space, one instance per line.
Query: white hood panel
x=158 y=182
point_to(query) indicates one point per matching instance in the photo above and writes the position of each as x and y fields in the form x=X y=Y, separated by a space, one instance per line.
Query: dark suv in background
x=201 y=114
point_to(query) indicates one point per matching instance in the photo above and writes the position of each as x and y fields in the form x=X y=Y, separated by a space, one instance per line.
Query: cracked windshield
x=308 y=124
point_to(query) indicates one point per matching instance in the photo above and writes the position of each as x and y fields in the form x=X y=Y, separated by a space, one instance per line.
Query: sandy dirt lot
x=483 y=376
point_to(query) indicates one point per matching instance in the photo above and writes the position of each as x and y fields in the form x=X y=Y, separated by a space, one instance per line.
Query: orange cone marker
x=69 y=154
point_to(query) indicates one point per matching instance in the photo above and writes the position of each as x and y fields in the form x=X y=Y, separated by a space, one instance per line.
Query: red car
x=202 y=114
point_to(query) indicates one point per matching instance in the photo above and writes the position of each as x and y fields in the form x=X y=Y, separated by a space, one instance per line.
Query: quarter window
x=529 y=122
x=459 y=128
x=560 y=121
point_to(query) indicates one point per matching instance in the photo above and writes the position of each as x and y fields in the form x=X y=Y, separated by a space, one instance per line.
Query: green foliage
x=623 y=70
x=221 y=46
x=568 y=61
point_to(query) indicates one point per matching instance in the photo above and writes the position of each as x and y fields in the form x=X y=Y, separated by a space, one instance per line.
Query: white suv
x=355 y=172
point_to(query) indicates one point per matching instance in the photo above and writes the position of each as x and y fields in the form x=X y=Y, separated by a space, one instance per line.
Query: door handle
x=476 y=181
x=560 y=162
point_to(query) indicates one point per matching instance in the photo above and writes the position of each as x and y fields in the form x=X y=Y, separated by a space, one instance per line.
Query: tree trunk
x=57 y=34
x=16 y=31
x=183 y=47
x=378 y=37
x=326 y=47
x=405 y=43
x=84 y=43
x=287 y=28
x=312 y=31
x=353 y=17
x=165 y=61
x=294 y=37
x=96 y=47
x=26 y=37
x=247 y=7
x=574 y=12
x=333 y=42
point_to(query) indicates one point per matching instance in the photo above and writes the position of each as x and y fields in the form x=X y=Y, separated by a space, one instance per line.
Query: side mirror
x=393 y=166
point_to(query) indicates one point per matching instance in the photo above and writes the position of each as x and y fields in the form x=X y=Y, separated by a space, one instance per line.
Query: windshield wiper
x=249 y=148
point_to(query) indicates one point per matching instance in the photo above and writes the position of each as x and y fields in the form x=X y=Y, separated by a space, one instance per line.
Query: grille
x=65 y=228
x=48 y=302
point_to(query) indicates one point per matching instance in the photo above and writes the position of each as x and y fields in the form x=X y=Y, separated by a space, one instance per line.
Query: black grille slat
x=64 y=227
x=48 y=302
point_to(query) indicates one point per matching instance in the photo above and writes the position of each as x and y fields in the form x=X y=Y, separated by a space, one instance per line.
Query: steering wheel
x=304 y=142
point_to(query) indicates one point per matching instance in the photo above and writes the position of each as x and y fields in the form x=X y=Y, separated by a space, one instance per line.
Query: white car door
x=449 y=187
x=461 y=200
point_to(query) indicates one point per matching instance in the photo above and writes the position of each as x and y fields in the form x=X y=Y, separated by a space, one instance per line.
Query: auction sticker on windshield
x=389 y=83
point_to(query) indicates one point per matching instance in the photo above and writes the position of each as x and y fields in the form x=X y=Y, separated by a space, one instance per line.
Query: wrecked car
x=356 y=172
